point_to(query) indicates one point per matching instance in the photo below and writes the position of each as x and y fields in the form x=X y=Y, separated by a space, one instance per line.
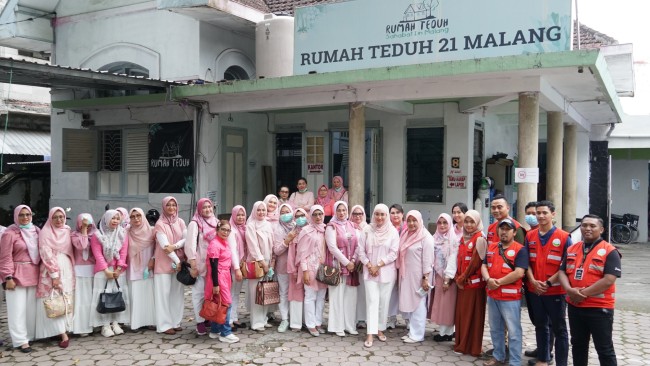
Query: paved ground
x=271 y=348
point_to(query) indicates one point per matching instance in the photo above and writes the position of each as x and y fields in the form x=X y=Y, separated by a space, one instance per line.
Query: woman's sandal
x=367 y=344
x=382 y=337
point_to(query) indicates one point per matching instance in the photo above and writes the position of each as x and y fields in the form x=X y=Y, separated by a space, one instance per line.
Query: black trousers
x=549 y=312
x=596 y=323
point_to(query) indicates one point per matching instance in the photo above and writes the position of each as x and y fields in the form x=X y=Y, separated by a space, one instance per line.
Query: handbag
x=328 y=275
x=251 y=270
x=58 y=305
x=267 y=292
x=214 y=311
x=183 y=276
x=111 y=302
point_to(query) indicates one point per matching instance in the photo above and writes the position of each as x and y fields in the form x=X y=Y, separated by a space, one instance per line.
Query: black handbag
x=183 y=276
x=111 y=302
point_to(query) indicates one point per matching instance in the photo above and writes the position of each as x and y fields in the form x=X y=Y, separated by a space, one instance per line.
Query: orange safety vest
x=465 y=253
x=545 y=260
x=492 y=236
x=498 y=268
x=593 y=270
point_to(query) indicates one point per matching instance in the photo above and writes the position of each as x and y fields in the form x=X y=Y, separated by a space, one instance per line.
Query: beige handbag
x=58 y=304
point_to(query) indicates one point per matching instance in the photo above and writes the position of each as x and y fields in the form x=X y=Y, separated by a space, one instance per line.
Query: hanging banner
x=364 y=34
x=171 y=158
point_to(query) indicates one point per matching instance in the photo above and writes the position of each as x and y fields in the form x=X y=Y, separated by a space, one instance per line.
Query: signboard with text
x=171 y=157
x=379 y=33
x=526 y=175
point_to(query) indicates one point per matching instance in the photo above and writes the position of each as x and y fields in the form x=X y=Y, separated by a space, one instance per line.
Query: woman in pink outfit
x=324 y=200
x=19 y=271
x=110 y=246
x=259 y=240
x=311 y=252
x=302 y=198
x=84 y=270
x=124 y=215
x=237 y=242
x=140 y=270
x=378 y=251
x=57 y=274
x=444 y=302
x=170 y=232
x=358 y=219
x=338 y=192
x=415 y=262
x=218 y=279
x=283 y=234
x=296 y=293
x=272 y=210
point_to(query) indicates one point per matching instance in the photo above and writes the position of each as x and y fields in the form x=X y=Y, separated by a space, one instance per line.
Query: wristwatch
x=9 y=278
x=549 y=283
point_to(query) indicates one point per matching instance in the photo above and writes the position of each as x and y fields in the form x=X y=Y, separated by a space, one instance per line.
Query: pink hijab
x=323 y=201
x=29 y=233
x=292 y=267
x=207 y=225
x=85 y=253
x=363 y=222
x=275 y=215
x=407 y=238
x=383 y=232
x=140 y=238
x=239 y=231
x=259 y=229
x=170 y=225
x=124 y=215
x=57 y=238
x=333 y=193
x=309 y=239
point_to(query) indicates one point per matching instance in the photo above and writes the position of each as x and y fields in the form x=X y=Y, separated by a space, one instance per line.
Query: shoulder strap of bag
x=503 y=255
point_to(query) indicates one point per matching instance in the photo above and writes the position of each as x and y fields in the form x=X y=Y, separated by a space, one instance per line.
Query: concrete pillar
x=357 y=153
x=554 y=154
x=569 y=190
x=528 y=148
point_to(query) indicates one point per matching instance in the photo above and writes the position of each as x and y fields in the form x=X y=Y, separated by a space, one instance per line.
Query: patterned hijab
x=112 y=239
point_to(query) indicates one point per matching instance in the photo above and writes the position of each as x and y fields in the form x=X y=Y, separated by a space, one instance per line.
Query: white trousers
x=235 y=290
x=258 y=312
x=198 y=295
x=169 y=295
x=21 y=314
x=418 y=321
x=393 y=305
x=283 y=282
x=446 y=329
x=377 y=300
x=361 y=299
x=83 y=294
x=314 y=306
x=295 y=314
x=143 y=306
x=343 y=307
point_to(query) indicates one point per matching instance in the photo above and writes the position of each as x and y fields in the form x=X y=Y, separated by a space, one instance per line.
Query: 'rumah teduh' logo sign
x=419 y=17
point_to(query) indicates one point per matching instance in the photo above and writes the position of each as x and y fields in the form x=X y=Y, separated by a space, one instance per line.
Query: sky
x=625 y=21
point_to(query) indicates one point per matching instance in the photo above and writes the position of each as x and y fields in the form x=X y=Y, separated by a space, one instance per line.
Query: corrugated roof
x=24 y=142
x=591 y=38
x=288 y=6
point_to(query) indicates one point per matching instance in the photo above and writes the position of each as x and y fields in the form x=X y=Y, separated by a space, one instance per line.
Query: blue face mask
x=531 y=220
x=286 y=217
x=301 y=221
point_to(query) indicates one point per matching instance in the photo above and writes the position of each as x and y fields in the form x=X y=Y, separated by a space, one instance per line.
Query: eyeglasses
x=28 y=214
x=284 y=191
x=357 y=214
x=224 y=230
x=317 y=214
x=58 y=217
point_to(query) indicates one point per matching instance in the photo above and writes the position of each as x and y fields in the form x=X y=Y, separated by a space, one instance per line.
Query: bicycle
x=624 y=228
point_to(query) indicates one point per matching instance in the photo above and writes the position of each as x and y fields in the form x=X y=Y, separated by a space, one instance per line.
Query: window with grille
x=123 y=165
x=111 y=153
x=425 y=164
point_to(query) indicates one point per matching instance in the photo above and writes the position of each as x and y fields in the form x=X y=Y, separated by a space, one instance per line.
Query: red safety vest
x=545 y=260
x=492 y=236
x=465 y=253
x=498 y=268
x=593 y=270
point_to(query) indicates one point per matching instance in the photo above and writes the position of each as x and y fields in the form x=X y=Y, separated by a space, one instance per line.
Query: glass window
x=425 y=164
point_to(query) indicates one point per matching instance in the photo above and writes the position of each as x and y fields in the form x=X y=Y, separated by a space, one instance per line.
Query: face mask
x=302 y=190
x=286 y=217
x=531 y=220
x=28 y=226
x=338 y=189
x=301 y=221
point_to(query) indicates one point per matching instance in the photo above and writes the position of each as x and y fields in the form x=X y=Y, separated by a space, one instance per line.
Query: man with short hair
x=531 y=215
x=500 y=209
x=503 y=268
x=547 y=246
x=588 y=275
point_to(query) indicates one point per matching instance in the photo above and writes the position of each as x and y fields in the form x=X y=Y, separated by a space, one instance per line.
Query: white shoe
x=404 y=337
x=116 y=328
x=267 y=325
x=230 y=338
x=410 y=340
x=107 y=331
x=353 y=332
x=340 y=334
x=283 y=326
x=214 y=335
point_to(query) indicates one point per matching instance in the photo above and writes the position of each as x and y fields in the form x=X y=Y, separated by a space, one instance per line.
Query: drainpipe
x=611 y=129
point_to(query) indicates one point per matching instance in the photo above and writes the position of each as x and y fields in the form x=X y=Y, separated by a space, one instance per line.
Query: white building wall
x=220 y=49
x=627 y=200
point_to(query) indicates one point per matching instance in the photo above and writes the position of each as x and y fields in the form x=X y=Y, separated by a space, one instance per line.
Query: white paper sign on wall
x=526 y=175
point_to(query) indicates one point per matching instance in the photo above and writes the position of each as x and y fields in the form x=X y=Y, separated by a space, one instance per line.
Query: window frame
x=429 y=123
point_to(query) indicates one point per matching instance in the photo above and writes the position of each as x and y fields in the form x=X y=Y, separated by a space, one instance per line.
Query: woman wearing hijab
x=57 y=274
x=397 y=219
x=283 y=235
x=140 y=270
x=415 y=261
x=272 y=211
x=19 y=271
x=324 y=200
x=110 y=246
x=296 y=291
x=259 y=241
x=310 y=254
x=84 y=270
x=338 y=192
x=124 y=214
x=378 y=249
x=458 y=211
x=200 y=231
x=342 y=241
x=218 y=278
x=302 y=198
x=445 y=243
x=170 y=232
x=237 y=243
x=358 y=219
x=471 y=298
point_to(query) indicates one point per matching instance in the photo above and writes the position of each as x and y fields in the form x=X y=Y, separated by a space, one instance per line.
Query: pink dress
x=218 y=248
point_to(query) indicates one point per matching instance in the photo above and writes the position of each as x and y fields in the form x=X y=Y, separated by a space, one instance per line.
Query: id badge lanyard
x=580 y=271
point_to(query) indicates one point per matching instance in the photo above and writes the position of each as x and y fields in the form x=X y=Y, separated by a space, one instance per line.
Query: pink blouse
x=15 y=260
x=369 y=251
x=100 y=262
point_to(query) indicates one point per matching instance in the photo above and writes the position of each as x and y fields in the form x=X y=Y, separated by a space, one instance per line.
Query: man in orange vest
x=547 y=246
x=588 y=274
x=500 y=209
x=503 y=268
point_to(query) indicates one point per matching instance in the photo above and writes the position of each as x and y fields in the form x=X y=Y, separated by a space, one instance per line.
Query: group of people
x=392 y=265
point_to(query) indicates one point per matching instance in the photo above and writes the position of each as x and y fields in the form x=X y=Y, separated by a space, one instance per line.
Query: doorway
x=234 y=160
